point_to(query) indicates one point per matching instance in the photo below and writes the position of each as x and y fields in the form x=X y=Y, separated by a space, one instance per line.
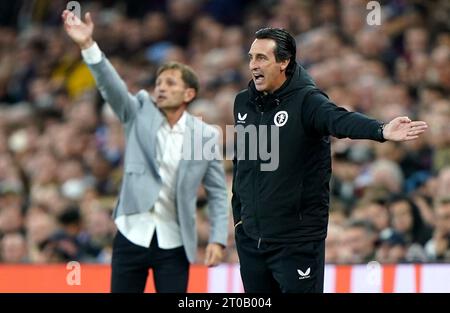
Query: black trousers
x=131 y=263
x=280 y=267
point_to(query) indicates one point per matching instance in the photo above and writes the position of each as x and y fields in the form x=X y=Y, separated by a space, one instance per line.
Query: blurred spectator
x=438 y=248
x=39 y=226
x=378 y=214
x=387 y=174
x=10 y=219
x=13 y=248
x=100 y=230
x=406 y=220
x=358 y=242
x=391 y=248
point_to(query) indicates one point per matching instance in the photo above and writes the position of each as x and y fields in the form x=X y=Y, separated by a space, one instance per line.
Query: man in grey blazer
x=156 y=209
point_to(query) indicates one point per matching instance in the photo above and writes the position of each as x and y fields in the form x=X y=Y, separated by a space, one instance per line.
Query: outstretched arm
x=325 y=118
x=109 y=83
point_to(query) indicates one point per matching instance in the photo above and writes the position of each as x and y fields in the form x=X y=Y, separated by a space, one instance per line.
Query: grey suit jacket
x=141 y=181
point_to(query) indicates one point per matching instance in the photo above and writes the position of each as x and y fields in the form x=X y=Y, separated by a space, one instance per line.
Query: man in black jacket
x=281 y=215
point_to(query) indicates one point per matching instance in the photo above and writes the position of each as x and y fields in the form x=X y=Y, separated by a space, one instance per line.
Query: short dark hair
x=187 y=73
x=285 y=49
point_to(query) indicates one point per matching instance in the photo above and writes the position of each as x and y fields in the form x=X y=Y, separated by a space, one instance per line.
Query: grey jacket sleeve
x=215 y=186
x=113 y=90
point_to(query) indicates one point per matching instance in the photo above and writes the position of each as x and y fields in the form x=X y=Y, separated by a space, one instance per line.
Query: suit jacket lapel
x=153 y=128
x=187 y=142
x=150 y=129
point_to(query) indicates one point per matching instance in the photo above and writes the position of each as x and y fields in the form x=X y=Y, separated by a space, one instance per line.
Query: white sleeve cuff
x=92 y=55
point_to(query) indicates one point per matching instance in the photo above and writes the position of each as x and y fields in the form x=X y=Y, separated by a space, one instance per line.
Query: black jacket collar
x=267 y=101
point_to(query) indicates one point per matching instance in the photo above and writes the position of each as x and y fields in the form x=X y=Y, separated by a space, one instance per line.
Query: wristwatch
x=380 y=132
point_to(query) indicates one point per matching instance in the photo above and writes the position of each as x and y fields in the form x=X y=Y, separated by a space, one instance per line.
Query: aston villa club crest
x=280 y=118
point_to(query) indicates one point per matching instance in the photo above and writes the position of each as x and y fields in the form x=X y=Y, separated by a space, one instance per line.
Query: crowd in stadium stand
x=61 y=147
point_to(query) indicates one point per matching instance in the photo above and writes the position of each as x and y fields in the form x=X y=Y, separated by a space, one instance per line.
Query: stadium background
x=61 y=148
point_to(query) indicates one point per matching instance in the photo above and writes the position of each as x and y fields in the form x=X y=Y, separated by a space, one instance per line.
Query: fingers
x=408 y=138
x=70 y=16
x=417 y=128
x=208 y=256
x=419 y=124
x=64 y=15
x=67 y=14
x=403 y=119
x=214 y=260
x=415 y=132
x=88 y=18
x=213 y=256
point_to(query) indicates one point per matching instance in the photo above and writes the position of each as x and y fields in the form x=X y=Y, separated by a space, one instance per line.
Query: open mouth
x=258 y=78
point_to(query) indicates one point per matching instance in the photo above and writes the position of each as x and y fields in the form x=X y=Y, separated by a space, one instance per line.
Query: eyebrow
x=257 y=54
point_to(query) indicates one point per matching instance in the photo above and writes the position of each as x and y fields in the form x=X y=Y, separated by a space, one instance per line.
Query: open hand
x=403 y=129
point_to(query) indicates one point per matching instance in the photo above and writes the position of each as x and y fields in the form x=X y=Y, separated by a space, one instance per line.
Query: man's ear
x=284 y=64
x=189 y=95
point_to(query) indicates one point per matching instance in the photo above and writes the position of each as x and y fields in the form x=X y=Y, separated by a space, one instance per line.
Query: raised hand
x=403 y=129
x=80 y=32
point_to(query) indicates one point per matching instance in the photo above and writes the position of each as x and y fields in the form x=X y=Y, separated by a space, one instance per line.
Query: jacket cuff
x=380 y=136
x=92 y=55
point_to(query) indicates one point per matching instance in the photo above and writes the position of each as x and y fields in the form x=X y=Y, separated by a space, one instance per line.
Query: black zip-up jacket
x=291 y=203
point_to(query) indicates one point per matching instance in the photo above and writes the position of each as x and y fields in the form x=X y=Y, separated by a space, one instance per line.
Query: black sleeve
x=235 y=201
x=323 y=117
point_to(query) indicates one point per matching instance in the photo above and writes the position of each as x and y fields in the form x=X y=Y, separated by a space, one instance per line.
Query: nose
x=253 y=65
x=160 y=87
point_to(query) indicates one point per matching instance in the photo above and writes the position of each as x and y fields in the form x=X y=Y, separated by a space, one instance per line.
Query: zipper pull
x=259 y=242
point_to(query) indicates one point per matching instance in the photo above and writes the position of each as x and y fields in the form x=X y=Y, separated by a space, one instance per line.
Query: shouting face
x=268 y=74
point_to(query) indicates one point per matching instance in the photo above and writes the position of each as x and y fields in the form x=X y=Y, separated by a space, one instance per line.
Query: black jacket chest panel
x=272 y=203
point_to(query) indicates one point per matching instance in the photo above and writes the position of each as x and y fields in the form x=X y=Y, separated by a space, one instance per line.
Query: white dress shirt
x=162 y=218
